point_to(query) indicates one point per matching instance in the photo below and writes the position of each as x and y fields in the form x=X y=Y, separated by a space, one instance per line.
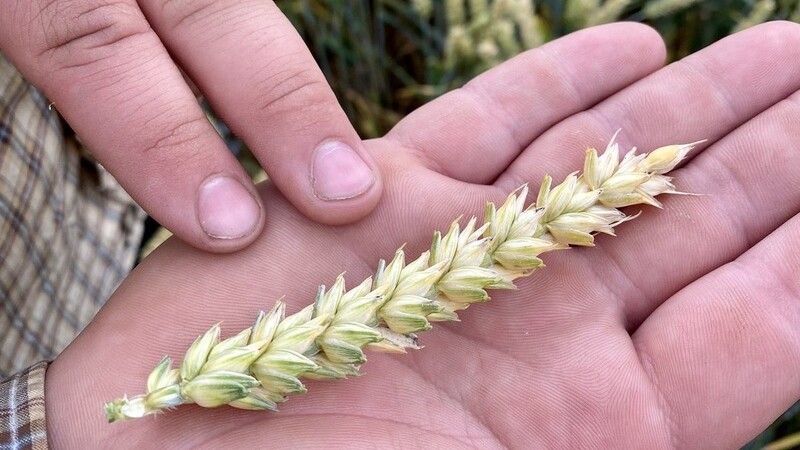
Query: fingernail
x=338 y=173
x=226 y=209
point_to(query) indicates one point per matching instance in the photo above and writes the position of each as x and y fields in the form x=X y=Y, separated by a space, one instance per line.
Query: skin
x=681 y=333
x=120 y=71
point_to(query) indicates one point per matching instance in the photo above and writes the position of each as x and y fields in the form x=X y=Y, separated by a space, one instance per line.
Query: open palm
x=682 y=332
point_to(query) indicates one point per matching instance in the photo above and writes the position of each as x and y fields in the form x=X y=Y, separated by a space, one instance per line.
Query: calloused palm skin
x=682 y=332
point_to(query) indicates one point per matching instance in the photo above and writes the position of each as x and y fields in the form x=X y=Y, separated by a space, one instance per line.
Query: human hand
x=111 y=69
x=682 y=332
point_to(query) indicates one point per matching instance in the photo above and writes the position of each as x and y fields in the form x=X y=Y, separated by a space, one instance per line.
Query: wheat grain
x=260 y=366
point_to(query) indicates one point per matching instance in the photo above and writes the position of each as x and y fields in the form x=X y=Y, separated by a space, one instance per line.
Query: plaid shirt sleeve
x=22 y=422
x=69 y=234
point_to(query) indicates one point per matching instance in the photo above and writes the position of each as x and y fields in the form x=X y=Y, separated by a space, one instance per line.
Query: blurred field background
x=385 y=58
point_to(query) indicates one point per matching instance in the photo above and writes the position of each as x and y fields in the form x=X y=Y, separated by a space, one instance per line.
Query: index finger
x=108 y=74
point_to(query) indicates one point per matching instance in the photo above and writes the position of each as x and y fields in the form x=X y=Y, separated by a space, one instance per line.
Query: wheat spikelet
x=423 y=7
x=529 y=23
x=458 y=45
x=455 y=12
x=260 y=366
x=490 y=32
x=502 y=31
x=578 y=12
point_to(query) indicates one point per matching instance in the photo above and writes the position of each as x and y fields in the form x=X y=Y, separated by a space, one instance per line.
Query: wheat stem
x=260 y=366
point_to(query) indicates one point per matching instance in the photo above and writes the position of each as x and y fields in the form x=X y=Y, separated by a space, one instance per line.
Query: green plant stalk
x=263 y=364
x=785 y=443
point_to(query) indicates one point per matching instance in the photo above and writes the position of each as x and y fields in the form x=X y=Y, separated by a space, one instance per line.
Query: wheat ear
x=260 y=366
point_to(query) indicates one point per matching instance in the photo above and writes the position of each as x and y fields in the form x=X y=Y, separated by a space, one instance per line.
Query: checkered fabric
x=68 y=235
x=68 y=232
x=22 y=410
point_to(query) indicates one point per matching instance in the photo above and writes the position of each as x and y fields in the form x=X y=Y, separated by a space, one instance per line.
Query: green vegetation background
x=384 y=58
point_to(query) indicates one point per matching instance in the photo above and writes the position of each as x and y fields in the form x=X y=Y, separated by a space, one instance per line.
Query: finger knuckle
x=179 y=13
x=176 y=140
x=78 y=33
x=291 y=89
